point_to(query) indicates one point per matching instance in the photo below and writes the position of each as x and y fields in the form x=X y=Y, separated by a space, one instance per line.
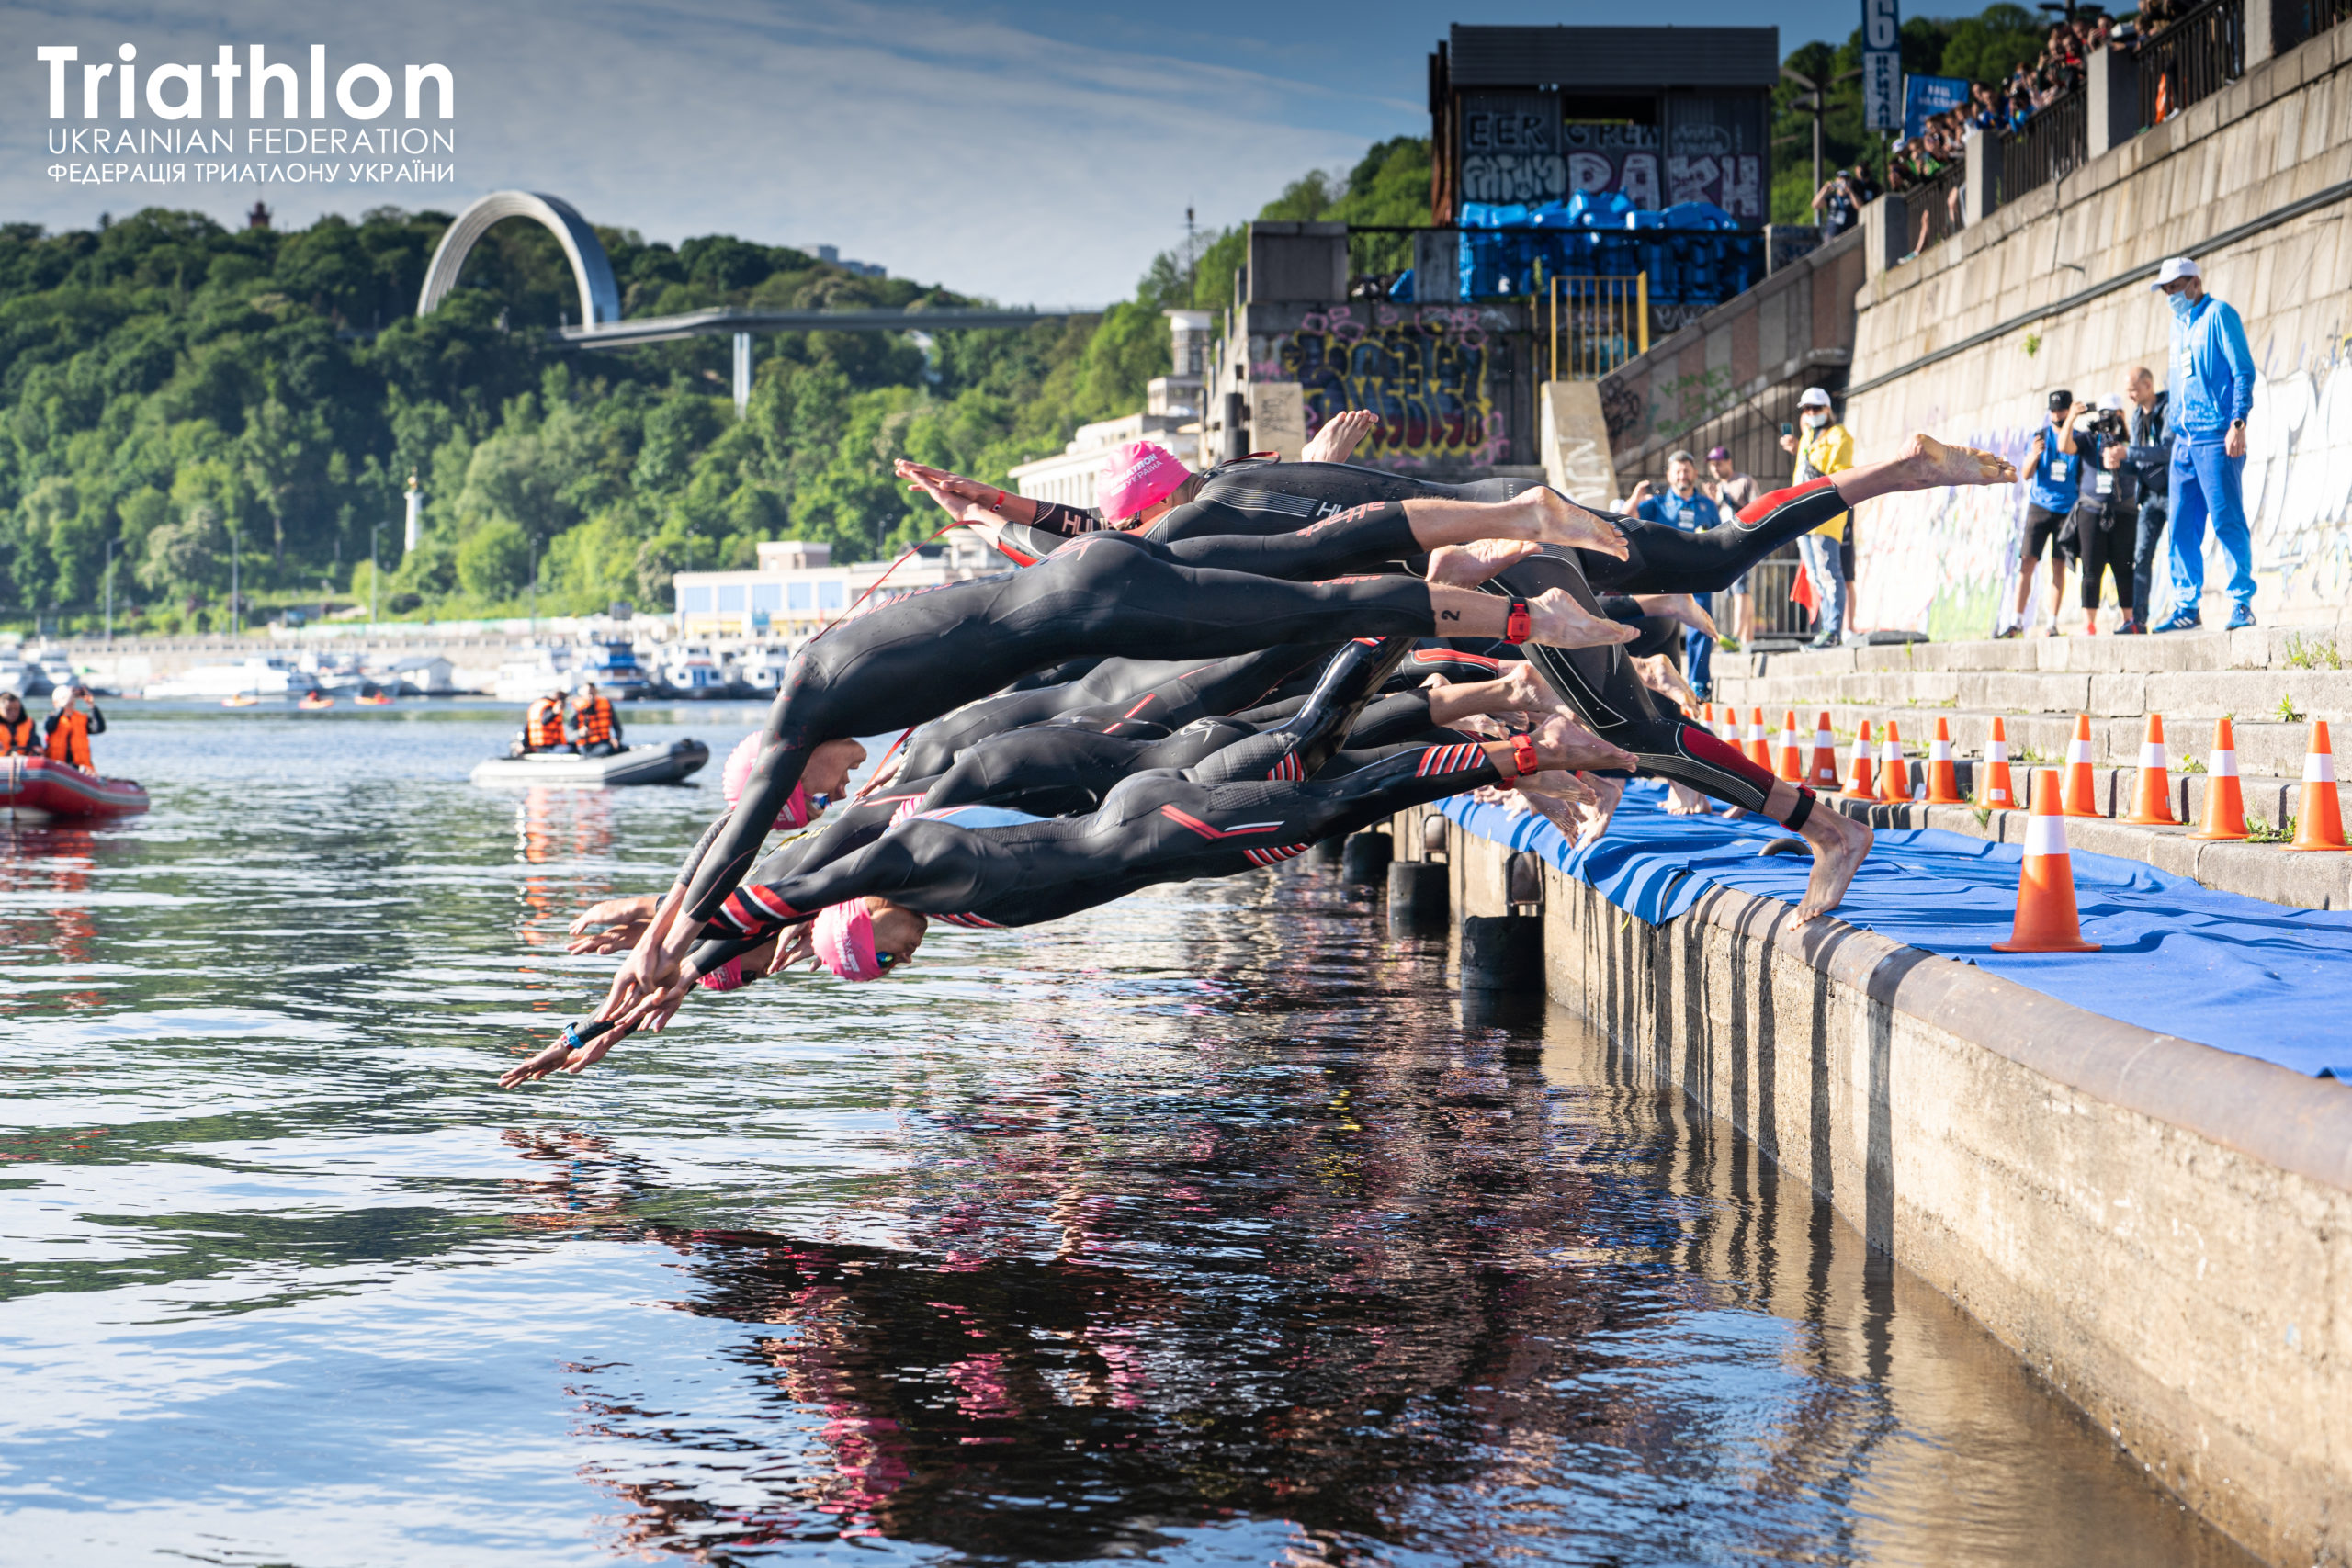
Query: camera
x=2107 y=425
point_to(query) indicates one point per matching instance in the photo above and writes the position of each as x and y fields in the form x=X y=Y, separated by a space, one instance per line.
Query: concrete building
x=1170 y=416
x=832 y=254
x=796 y=590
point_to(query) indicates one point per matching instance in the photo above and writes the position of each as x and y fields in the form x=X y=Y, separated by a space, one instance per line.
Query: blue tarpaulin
x=2227 y=971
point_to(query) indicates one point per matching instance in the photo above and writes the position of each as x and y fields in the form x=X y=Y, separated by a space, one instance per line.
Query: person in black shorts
x=2054 y=471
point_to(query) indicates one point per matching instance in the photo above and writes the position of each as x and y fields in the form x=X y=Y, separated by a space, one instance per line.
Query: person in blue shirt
x=1685 y=506
x=2212 y=392
x=2053 y=480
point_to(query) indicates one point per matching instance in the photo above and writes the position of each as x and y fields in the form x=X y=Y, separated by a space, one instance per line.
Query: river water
x=1203 y=1230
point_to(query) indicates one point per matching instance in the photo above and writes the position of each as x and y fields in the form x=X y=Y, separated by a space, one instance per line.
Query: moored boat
x=40 y=789
x=637 y=765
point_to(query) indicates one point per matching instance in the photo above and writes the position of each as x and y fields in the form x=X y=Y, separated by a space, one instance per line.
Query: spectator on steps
x=2107 y=510
x=1733 y=491
x=2212 y=370
x=2052 y=477
x=2149 y=457
x=1684 y=505
x=1822 y=447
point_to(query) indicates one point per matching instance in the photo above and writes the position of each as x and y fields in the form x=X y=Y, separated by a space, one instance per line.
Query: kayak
x=315 y=702
x=637 y=765
x=37 y=788
x=372 y=695
x=240 y=700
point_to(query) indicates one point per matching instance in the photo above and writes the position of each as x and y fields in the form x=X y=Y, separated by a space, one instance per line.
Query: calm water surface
x=1206 y=1230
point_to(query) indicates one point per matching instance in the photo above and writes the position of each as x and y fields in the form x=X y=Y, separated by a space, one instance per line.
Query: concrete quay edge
x=2157 y=1227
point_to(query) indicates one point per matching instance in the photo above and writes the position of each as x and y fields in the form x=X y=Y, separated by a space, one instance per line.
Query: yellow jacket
x=1829 y=450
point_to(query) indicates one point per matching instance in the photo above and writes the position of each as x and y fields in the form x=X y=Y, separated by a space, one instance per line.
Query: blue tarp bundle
x=1695 y=252
x=2227 y=971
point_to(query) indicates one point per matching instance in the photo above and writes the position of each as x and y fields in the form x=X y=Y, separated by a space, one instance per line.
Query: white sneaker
x=1858 y=640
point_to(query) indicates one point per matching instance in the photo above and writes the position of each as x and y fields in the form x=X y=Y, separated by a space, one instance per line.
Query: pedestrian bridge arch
x=600 y=300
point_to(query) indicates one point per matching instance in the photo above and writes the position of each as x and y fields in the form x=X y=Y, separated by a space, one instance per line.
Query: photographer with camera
x=2052 y=475
x=2150 y=460
x=1839 y=203
x=2104 y=520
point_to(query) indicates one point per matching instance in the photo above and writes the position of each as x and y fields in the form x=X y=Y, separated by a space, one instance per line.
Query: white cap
x=60 y=694
x=1815 y=398
x=2174 y=269
x=2112 y=403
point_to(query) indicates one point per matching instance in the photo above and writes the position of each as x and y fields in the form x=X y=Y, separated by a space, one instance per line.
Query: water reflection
x=1206 y=1230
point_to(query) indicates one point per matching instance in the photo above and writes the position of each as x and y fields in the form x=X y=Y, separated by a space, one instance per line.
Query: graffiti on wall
x=1434 y=374
x=1936 y=559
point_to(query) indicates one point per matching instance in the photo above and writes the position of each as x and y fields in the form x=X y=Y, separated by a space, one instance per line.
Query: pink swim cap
x=739 y=763
x=1134 y=476
x=844 y=941
x=728 y=976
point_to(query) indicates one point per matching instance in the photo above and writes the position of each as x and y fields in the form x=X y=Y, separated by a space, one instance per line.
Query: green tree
x=495 y=563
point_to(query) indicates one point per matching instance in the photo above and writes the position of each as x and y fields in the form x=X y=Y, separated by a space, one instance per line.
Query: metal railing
x=1597 y=324
x=2294 y=22
x=1932 y=208
x=2055 y=143
x=2194 y=58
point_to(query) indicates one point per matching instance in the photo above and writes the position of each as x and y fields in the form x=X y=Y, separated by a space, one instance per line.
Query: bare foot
x=1559 y=521
x=1561 y=622
x=1522 y=689
x=1659 y=673
x=1561 y=743
x=1682 y=608
x=1682 y=800
x=1839 y=843
x=1466 y=566
x=1927 y=461
x=1337 y=441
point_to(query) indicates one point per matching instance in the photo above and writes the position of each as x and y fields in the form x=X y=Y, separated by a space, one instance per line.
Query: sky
x=1033 y=154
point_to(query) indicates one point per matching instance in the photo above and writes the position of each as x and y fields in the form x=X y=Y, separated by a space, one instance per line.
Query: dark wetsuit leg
x=912 y=659
x=1670 y=560
x=1302 y=744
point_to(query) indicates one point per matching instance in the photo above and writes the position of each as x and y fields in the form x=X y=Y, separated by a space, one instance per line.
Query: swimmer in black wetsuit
x=911 y=659
x=1600 y=685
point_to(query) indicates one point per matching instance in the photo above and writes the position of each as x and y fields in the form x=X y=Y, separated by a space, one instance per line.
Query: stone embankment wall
x=2156 y=1227
x=2278 y=136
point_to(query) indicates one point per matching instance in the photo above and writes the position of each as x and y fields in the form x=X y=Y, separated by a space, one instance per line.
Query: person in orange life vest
x=69 y=727
x=20 y=731
x=543 y=725
x=592 y=724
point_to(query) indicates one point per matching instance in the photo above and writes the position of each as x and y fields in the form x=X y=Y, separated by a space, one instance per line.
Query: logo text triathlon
x=177 y=92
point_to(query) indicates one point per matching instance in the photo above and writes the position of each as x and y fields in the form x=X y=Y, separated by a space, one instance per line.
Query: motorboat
x=765 y=670
x=611 y=663
x=255 y=677
x=37 y=788
x=637 y=765
x=695 y=674
x=533 y=673
x=24 y=676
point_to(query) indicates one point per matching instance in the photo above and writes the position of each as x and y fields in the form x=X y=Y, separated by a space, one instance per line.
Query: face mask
x=1816 y=420
x=2181 y=305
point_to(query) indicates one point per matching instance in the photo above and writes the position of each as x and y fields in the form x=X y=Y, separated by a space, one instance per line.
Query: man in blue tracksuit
x=1685 y=506
x=2212 y=392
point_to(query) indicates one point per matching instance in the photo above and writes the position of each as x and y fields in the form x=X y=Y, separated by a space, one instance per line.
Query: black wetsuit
x=1599 y=683
x=915 y=657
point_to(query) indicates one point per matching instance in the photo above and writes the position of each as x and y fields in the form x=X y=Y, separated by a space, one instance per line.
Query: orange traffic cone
x=1727 y=727
x=2224 y=801
x=2153 y=808
x=2319 y=825
x=1943 y=779
x=1758 y=749
x=1791 y=766
x=1996 y=792
x=1893 y=772
x=1823 y=774
x=2082 y=788
x=2047 y=921
x=1860 y=787
x=1707 y=717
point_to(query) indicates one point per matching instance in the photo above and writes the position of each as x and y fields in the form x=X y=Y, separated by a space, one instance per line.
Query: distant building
x=796 y=590
x=832 y=256
x=1170 y=417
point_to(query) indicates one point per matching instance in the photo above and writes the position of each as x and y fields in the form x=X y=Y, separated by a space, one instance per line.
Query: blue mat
x=2248 y=976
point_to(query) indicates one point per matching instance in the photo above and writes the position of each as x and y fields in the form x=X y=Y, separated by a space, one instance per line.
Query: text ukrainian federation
x=261 y=141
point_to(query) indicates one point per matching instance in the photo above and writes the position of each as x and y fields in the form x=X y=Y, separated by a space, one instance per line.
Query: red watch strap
x=1523 y=759
x=1518 y=625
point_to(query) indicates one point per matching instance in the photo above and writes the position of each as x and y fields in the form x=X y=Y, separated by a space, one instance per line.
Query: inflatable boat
x=37 y=788
x=637 y=765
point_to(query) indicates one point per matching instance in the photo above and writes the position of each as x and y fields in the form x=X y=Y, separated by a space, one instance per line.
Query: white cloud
x=950 y=148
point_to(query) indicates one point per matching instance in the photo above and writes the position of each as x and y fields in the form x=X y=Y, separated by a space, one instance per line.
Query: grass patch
x=2312 y=653
x=2287 y=712
x=2259 y=831
x=2188 y=765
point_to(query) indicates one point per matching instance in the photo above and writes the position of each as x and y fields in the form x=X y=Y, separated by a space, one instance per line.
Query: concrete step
x=2115 y=792
x=2257 y=647
x=2188 y=694
x=2263 y=748
x=2272 y=873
